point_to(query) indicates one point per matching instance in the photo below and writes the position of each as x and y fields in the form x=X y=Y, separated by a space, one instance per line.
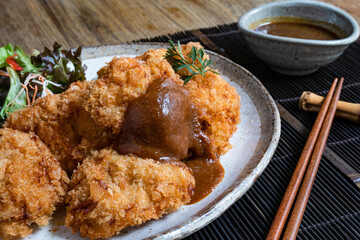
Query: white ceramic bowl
x=293 y=56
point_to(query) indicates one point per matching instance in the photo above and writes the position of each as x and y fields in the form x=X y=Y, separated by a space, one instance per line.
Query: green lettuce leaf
x=59 y=67
x=15 y=88
x=5 y=52
x=54 y=66
x=24 y=61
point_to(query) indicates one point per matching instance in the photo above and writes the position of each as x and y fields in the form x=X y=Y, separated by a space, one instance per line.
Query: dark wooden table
x=38 y=23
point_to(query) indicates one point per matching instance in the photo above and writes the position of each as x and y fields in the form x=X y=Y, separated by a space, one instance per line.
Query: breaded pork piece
x=110 y=192
x=121 y=81
x=124 y=79
x=218 y=107
x=62 y=123
x=31 y=183
x=217 y=103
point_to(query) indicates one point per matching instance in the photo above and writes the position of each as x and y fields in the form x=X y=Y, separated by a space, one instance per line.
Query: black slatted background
x=333 y=211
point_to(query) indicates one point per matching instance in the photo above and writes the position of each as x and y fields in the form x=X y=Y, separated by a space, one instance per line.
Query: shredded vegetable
x=24 y=77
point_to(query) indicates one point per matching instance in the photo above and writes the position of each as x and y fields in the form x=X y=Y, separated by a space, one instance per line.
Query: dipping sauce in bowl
x=298 y=28
x=294 y=43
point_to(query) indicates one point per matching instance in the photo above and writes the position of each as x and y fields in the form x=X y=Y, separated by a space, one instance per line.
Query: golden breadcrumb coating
x=31 y=183
x=110 y=192
x=62 y=123
x=218 y=107
x=153 y=54
x=125 y=79
x=218 y=104
x=89 y=114
x=121 y=81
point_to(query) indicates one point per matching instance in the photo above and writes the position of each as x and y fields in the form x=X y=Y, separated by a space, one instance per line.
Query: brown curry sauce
x=298 y=28
x=162 y=124
x=208 y=173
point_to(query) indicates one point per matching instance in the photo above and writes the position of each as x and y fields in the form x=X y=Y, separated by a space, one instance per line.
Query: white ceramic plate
x=253 y=143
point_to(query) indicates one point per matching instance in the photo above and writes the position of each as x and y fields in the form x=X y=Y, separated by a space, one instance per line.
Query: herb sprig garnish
x=177 y=60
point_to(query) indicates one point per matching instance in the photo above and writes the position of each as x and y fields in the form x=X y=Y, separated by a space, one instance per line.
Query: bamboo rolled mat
x=333 y=210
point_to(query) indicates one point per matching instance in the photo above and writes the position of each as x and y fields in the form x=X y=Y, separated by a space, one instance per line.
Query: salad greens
x=54 y=66
x=24 y=77
x=12 y=101
x=5 y=52
x=24 y=61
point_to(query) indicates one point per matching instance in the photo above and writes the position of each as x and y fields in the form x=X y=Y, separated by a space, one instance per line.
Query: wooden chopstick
x=289 y=196
x=308 y=182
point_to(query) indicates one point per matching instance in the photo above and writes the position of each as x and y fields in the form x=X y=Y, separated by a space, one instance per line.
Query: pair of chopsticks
x=314 y=148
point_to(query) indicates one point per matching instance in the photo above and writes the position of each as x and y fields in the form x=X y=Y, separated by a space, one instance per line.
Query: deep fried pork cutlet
x=218 y=107
x=121 y=81
x=217 y=103
x=110 y=192
x=62 y=123
x=31 y=183
x=89 y=114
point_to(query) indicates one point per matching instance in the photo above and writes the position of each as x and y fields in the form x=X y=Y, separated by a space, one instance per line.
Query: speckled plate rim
x=252 y=170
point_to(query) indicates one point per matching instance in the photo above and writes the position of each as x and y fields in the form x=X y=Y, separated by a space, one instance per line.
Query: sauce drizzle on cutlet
x=162 y=124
